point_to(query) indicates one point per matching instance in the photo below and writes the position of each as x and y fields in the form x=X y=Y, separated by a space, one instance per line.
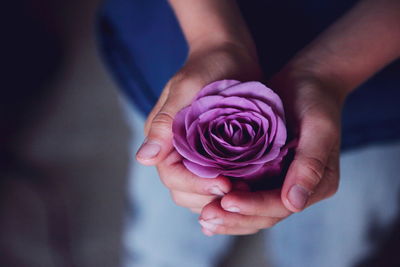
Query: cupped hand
x=204 y=65
x=313 y=109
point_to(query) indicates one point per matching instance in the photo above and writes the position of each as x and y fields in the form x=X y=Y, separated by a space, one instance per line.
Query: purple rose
x=233 y=129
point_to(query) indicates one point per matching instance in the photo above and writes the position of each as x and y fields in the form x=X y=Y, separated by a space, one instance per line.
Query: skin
x=313 y=86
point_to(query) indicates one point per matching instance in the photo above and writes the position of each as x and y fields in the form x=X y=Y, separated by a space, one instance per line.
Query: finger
x=188 y=200
x=158 y=143
x=176 y=177
x=160 y=103
x=318 y=137
x=217 y=220
x=230 y=231
x=330 y=182
x=195 y=210
x=260 y=203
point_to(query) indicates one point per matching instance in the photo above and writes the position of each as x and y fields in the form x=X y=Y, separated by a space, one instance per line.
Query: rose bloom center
x=236 y=133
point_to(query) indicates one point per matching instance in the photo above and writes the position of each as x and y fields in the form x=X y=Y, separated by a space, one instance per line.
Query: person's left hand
x=313 y=111
x=206 y=63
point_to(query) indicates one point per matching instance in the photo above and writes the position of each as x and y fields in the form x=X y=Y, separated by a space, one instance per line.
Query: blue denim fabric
x=143 y=47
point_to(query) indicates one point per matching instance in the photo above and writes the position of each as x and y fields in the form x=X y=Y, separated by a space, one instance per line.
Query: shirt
x=143 y=47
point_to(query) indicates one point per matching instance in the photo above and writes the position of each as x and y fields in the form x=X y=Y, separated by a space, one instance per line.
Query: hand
x=313 y=87
x=205 y=64
x=313 y=111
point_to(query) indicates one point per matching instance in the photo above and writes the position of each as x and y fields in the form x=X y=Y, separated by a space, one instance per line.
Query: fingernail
x=215 y=190
x=207 y=225
x=148 y=150
x=232 y=209
x=298 y=196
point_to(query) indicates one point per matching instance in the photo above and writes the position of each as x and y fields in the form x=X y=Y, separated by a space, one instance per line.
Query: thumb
x=158 y=143
x=318 y=137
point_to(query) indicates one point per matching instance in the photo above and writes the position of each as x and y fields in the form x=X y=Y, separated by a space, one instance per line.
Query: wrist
x=212 y=23
x=299 y=73
x=225 y=59
x=231 y=45
x=311 y=69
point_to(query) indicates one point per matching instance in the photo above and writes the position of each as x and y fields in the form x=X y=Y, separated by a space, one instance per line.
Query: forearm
x=355 y=47
x=207 y=22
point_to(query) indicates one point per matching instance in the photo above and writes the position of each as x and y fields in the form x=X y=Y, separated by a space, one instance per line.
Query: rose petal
x=202 y=171
x=216 y=87
x=242 y=171
x=185 y=151
x=232 y=128
x=256 y=90
x=205 y=103
x=251 y=151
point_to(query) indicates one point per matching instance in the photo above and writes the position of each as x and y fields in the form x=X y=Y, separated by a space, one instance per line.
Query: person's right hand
x=205 y=64
x=312 y=108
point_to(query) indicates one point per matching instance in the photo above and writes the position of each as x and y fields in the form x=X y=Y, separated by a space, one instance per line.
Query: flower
x=232 y=129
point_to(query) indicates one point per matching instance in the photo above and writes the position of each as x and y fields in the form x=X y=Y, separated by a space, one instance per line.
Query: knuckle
x=313 y=171
x=163 y=120
x=210 y=211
